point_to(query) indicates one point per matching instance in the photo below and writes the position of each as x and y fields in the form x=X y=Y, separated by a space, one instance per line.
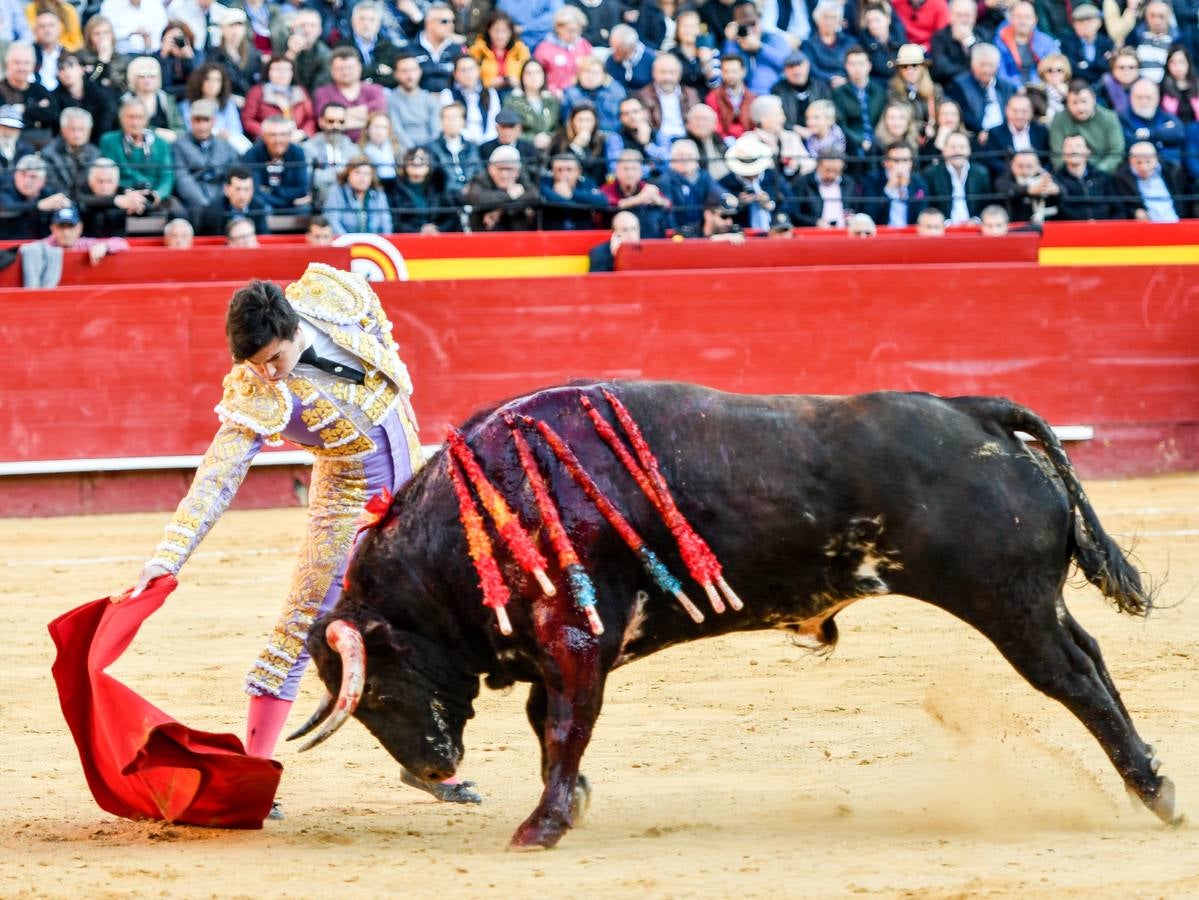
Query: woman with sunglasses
x=1049 y=99
x=913 y=86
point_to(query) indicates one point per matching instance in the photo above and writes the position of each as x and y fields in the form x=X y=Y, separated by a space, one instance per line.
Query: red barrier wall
x=825 y=249
x=146 y=268
x=102 y=372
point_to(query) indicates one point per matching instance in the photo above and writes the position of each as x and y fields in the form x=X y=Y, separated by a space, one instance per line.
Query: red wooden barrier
x=103 y=371
x=827 y=250
x=146 y=269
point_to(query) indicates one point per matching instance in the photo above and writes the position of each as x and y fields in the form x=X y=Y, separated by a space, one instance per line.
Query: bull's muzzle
x=346 y=639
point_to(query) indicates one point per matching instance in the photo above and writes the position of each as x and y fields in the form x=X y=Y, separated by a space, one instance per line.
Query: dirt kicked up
x=914 y=762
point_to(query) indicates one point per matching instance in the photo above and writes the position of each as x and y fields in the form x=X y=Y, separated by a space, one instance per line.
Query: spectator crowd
x=385 y=116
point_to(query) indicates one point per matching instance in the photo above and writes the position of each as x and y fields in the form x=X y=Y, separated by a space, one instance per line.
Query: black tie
x=333 y=368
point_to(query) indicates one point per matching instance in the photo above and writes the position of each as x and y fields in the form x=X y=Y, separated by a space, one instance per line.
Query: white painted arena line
x=1180 y=532
x=109 y=560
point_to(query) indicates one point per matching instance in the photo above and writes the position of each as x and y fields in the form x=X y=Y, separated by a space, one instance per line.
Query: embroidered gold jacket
x=254 y=411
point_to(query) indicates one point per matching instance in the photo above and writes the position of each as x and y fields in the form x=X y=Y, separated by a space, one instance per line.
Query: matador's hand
x=148 y=574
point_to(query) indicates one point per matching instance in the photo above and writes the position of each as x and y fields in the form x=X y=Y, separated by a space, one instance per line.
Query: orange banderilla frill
x=519 y=541
x=495 y=592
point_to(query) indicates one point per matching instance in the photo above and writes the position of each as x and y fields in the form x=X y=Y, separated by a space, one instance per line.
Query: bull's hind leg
x=1061 y=660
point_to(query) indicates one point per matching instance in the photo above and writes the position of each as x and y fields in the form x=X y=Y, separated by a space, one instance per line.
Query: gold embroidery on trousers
x=335 y=501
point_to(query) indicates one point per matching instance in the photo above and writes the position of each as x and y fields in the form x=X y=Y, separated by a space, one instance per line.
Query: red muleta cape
x=139 y=762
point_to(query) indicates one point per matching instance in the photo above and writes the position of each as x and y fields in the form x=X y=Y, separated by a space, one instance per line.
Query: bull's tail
x=1102 y=561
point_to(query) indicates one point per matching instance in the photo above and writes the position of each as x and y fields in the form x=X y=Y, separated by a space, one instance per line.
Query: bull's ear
x=381 y=638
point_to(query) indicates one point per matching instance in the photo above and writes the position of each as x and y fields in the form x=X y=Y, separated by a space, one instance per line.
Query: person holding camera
x=764 y=52
x=143 y=158
x=177 y=59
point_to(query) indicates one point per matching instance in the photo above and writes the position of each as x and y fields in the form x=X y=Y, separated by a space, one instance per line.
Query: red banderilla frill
x=519 y=542
x=701 y=562
x=656 y=568
x=580 y=584
x=495 y=592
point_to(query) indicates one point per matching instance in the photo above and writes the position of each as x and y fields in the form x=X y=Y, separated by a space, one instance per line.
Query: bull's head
x=409 y=691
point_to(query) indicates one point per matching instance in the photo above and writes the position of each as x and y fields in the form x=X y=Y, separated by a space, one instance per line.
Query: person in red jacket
x=732 y=99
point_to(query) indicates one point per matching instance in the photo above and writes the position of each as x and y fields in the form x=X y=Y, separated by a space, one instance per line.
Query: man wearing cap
x=26 y=207
x=500 y=197
x=1022 y=45
x=763 y=51
x=798 y=88
x=949 y=47
x=921 y=18
x=509 y=133
x=66 y=231
x=12 y=146
x=719 y=221
x=201 y=159
x=35 y=104
x=754 y=182
x=1087 y=46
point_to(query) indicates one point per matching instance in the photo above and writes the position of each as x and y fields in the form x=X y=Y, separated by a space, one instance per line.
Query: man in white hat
x=755 y=181
x=501 y=198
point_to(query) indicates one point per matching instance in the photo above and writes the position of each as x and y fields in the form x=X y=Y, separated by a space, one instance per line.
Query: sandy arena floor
x=912 y=763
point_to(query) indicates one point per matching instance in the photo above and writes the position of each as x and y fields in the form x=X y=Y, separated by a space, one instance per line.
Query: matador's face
x=275 y=361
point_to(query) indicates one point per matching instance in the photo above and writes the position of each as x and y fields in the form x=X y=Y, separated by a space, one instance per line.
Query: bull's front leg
x=568 y=702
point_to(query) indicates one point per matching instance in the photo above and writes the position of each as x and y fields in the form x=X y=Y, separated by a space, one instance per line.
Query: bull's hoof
x=581 y=801
x=1162 y=805
x=462 y=792
x=538 y=834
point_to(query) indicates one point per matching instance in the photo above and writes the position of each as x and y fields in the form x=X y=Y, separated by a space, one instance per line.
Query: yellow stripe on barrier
x=1167 y=255
x=495 y=267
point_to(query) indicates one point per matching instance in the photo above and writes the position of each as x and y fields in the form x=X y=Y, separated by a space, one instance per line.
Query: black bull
x=809 y=502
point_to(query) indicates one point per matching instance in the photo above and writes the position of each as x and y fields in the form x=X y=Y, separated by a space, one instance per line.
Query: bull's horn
x=322 y=713
x=346 y=639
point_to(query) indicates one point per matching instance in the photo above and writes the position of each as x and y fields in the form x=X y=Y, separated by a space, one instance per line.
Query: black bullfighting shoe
x=276 y=813
x=447 y=793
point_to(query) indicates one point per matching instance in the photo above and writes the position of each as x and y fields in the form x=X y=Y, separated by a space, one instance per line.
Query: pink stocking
x=264 y=725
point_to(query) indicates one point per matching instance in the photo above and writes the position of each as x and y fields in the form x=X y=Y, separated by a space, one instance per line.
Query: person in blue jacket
x=280 y=169
x=358 y=205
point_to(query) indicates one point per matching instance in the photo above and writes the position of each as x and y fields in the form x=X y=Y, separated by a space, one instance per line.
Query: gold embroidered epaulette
x=352 y=317
x=255 y=403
